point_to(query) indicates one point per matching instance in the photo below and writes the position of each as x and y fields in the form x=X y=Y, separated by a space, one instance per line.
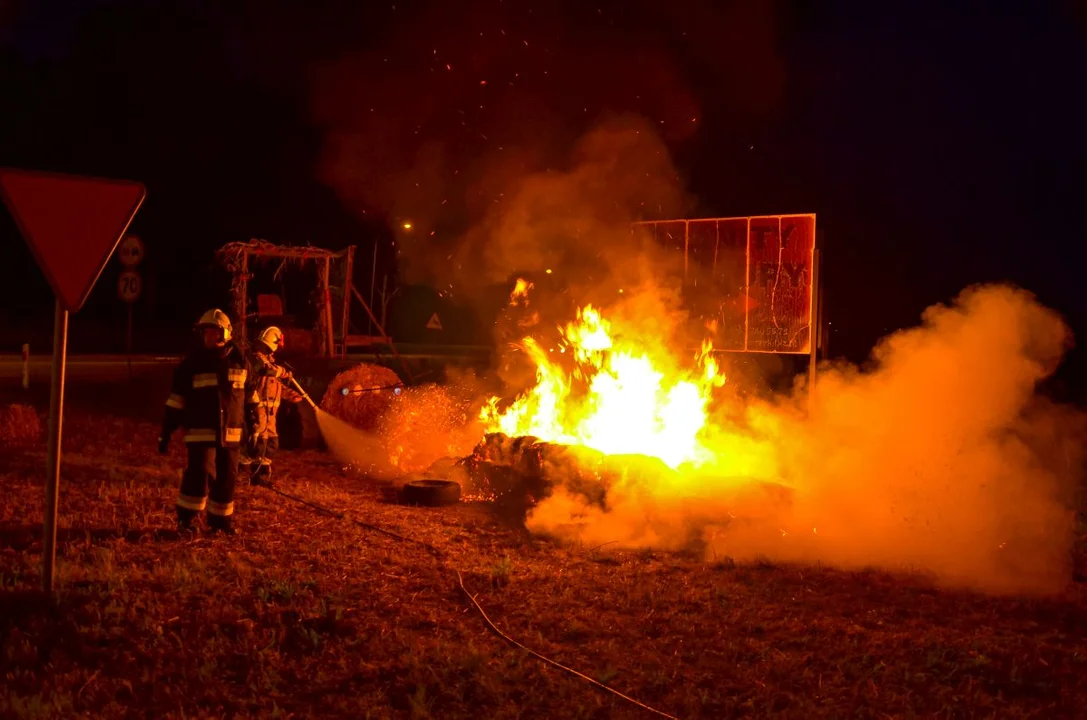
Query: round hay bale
x=426 y=423
x=361 y=395
x=19 y=426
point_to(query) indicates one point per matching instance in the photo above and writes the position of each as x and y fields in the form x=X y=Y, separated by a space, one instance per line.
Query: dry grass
x=19 y=426
x=305 y=615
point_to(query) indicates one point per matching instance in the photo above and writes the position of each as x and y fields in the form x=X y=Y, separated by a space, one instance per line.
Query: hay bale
x=19 y=426
x=426 y=423
x=361 y=395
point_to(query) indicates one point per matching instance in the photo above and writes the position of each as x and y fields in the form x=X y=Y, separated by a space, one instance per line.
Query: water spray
x=349 y=444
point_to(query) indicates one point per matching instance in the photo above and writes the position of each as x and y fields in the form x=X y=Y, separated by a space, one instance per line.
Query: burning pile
x=605 y=413
x=613 y=397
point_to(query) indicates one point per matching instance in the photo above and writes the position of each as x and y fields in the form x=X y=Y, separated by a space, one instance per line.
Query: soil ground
x=304 y=615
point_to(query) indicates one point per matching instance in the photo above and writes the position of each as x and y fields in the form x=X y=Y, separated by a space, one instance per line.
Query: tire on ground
x=430 y=493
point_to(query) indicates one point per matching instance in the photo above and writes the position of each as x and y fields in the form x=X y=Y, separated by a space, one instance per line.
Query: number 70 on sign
x=129 y=286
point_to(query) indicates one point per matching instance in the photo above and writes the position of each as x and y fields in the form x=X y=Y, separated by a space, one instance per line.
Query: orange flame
x=617 y=398
x=519 y=296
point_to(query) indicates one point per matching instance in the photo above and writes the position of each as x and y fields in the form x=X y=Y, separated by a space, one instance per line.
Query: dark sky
x=941 y=144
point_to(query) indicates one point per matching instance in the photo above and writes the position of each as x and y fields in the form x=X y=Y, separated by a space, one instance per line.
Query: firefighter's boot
x=263 y=473
x=186 y=523
x=220 y=525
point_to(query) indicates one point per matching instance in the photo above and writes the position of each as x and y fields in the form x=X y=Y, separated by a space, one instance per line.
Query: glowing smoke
x=940 y=458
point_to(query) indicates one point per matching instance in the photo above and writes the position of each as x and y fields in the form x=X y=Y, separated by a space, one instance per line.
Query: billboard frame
x=816 y=340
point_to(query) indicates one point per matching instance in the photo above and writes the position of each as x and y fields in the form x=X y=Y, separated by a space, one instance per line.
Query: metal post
x=56 y=420
x=241 y=298
x=128 y=341
x=816 y=321
x=326 y=311
x=373 y=284
x=384 y=301
x=26 y=366
x=345 y=319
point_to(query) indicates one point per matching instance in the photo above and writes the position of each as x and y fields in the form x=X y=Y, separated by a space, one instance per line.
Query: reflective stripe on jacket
x=207 y=397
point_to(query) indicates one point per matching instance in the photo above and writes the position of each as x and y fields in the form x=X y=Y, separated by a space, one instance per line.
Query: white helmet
x=216 y=318
x=272 y=337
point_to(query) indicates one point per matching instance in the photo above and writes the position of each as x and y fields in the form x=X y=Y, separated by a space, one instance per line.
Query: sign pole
x=72 y=225
x=128 y=341
x=56 y=421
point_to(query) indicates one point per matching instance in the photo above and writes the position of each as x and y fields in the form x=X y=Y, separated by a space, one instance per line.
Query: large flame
x=612 y=395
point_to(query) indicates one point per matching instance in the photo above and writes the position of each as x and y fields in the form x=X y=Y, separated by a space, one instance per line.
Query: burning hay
x=361 y=395
x=19 y=426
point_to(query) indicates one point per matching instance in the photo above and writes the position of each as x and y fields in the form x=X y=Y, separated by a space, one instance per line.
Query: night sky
x=941 y=144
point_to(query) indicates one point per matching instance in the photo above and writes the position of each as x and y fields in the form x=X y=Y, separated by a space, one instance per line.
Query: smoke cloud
x=514 y=155
x=941 y=457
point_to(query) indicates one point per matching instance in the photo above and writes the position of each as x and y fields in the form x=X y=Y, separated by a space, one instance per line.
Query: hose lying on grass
x=438 y=554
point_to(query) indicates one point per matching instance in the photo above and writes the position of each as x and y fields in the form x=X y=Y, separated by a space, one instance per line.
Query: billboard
x=747 y=281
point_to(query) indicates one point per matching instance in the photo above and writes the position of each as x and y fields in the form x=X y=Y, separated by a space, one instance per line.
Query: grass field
x=307 y=615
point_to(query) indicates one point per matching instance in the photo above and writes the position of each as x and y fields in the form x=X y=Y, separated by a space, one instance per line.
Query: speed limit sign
x=129 y=285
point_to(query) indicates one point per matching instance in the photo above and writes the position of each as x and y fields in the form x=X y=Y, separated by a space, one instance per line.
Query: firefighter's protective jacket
x=267 y=394
x=208 y=396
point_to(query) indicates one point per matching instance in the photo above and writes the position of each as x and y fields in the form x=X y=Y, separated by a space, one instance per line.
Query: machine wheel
x=430 y=493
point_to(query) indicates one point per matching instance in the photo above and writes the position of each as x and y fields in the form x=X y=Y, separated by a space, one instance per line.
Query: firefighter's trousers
x=261 y=453
x=210 y=468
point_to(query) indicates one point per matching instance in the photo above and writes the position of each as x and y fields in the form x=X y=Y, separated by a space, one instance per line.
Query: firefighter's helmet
x=216 y=318
x=271 y=337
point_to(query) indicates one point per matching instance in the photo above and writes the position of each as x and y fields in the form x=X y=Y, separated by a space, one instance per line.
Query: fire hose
x=441 y=557
x=303 y=393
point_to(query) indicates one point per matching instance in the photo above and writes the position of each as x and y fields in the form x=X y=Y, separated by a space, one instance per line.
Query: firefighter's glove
x=164 y=444
x=287 y=375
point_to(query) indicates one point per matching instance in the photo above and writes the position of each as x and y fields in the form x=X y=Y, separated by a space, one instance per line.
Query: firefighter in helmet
x=269 y=390
x=207 y=399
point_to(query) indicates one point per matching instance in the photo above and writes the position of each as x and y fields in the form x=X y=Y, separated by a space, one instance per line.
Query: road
x=118 y=367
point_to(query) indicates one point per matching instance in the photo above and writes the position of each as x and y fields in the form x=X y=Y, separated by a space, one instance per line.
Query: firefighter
x=207 y=399
x=269 y=379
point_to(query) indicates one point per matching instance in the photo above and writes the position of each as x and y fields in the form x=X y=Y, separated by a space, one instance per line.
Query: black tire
x=430 y=493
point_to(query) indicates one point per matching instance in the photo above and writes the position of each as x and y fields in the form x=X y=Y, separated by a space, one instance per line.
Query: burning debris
x=942 y=443
x=612 y=395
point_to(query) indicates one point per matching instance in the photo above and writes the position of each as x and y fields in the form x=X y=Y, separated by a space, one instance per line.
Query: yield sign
x=434 y=323
x=72 y=225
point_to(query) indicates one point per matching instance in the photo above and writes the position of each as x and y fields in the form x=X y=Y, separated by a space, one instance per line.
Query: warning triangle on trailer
x=71 y=223
x=434 y=323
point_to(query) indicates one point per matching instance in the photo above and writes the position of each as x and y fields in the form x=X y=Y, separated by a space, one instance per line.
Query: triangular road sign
x=72 y=225
x=434 y=323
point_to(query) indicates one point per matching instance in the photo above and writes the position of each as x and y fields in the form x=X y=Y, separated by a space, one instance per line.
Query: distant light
x=345 y=392
x=396 y=391
x=548 y=271
x=407 y=226
x=620 y=291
